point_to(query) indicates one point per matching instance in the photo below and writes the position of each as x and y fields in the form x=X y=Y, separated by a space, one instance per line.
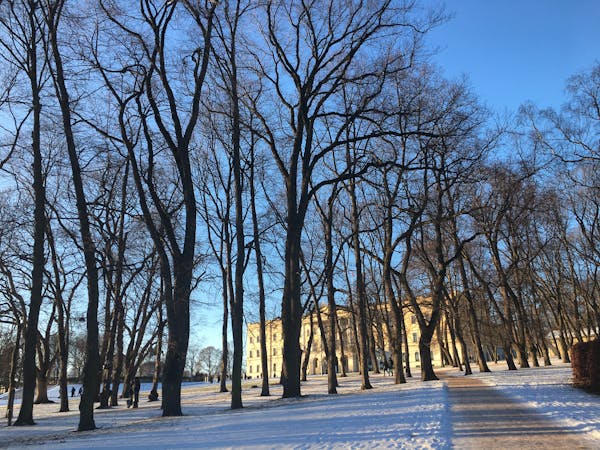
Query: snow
x=549 y=391
x=415 y=415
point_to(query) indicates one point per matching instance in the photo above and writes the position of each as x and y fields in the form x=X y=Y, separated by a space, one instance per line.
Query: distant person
x=80 y=391
x=391 y=364
x=73 y=391
x=386 y=367
x=129 y=396
x=136 y=392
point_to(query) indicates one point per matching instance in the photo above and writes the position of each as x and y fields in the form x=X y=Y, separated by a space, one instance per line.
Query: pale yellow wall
x=317 y=354
x=274 y=349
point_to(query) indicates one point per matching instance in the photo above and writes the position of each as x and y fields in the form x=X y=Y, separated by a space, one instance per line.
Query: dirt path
x=483 y=418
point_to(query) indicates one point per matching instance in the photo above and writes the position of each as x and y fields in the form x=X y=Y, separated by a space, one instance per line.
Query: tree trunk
x=14 y=361
x=427 y=373
x=308 y=349
x=260 y=279
x=153 y=395
x=42 y=388
x=62 y=322
x=373 y=351
x=178 y=316
x=118 y=370
x=342 y=351
x=456 y=362
x=327 y=219
x=396 y=338
x=481 y=359
x=463 y=345
x=39 y=229
x=91 y=367
x=510 y=362
x=361 y=296
x=224 y=327
x=291 y=306
x=405 y=342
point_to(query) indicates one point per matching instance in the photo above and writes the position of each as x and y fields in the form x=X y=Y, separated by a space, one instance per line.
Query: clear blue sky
x=518 y=50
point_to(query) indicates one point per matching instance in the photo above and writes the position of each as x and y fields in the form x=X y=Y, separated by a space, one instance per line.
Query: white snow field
x=415 y=415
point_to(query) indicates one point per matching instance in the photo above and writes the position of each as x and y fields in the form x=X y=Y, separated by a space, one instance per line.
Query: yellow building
x=317 y=362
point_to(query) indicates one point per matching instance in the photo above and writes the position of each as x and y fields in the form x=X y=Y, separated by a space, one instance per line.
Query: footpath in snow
x=529 y=408
x=484 y=417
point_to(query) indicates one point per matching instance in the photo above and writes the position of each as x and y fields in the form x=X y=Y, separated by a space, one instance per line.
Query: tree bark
x=361 y=295
x=39 y=229
x=14 y=361
x=259 y=277
x=153 y=395
x=53 y=14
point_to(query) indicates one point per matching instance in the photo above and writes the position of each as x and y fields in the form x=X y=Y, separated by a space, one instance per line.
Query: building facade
x=346 y=344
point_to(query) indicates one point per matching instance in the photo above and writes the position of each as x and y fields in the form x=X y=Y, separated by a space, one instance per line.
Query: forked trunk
x=42 y=388
x=427 y=372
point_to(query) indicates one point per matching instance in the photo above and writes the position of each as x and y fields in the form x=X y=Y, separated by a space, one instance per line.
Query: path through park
x=483 y=418
x=534 y=408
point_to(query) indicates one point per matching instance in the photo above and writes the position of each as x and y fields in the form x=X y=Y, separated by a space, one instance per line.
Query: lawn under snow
x=413 y=415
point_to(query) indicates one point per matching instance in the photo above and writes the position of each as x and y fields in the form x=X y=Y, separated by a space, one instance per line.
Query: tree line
x=307 y=152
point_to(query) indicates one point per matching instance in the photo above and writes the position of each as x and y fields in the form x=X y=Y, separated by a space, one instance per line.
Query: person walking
x=136 y=392
x=386 y=367
x=129 y=396
x=73 y=391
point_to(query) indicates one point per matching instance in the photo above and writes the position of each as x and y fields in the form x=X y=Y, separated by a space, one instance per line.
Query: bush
x=585 y=360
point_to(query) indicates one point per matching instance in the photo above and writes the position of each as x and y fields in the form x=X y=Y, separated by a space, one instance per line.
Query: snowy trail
x=483 y=417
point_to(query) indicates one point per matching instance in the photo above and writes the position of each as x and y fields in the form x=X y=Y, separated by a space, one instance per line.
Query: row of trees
x=155 y=149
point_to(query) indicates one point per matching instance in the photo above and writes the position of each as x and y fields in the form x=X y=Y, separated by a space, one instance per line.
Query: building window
x=257 y=353
x=250 y=369
x=258 y=339
x=250 y=353
x=274 y=352
x=274 y=336
x=257 y=369
x=413 y=319
x=274 y=369
x=251 y=340
x=415 y=337
x=417 y=357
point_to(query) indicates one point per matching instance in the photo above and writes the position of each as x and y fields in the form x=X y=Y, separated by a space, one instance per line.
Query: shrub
x=585 y=360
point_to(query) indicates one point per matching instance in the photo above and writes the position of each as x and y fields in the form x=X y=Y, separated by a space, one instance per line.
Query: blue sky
x=518 y=50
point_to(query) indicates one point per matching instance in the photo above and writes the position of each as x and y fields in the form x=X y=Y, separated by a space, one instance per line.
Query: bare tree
x=310 y=51
x=168 y=121
x=22 y=46
x=53 y=15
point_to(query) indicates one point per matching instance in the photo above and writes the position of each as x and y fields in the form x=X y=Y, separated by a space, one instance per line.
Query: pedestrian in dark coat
x=73 y=391
x=129 y=396
x=136 y=392
x=386 y=367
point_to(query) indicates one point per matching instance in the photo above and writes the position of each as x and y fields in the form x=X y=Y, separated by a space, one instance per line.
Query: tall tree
x=310 y=51
x=228 y=32
x=53 y=17
x=169 y=112
x=22 y=45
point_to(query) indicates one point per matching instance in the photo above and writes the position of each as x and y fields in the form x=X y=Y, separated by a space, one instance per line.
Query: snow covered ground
x=415 y=415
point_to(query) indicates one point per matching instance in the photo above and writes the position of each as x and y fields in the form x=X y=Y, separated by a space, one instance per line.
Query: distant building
x=317 y=362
